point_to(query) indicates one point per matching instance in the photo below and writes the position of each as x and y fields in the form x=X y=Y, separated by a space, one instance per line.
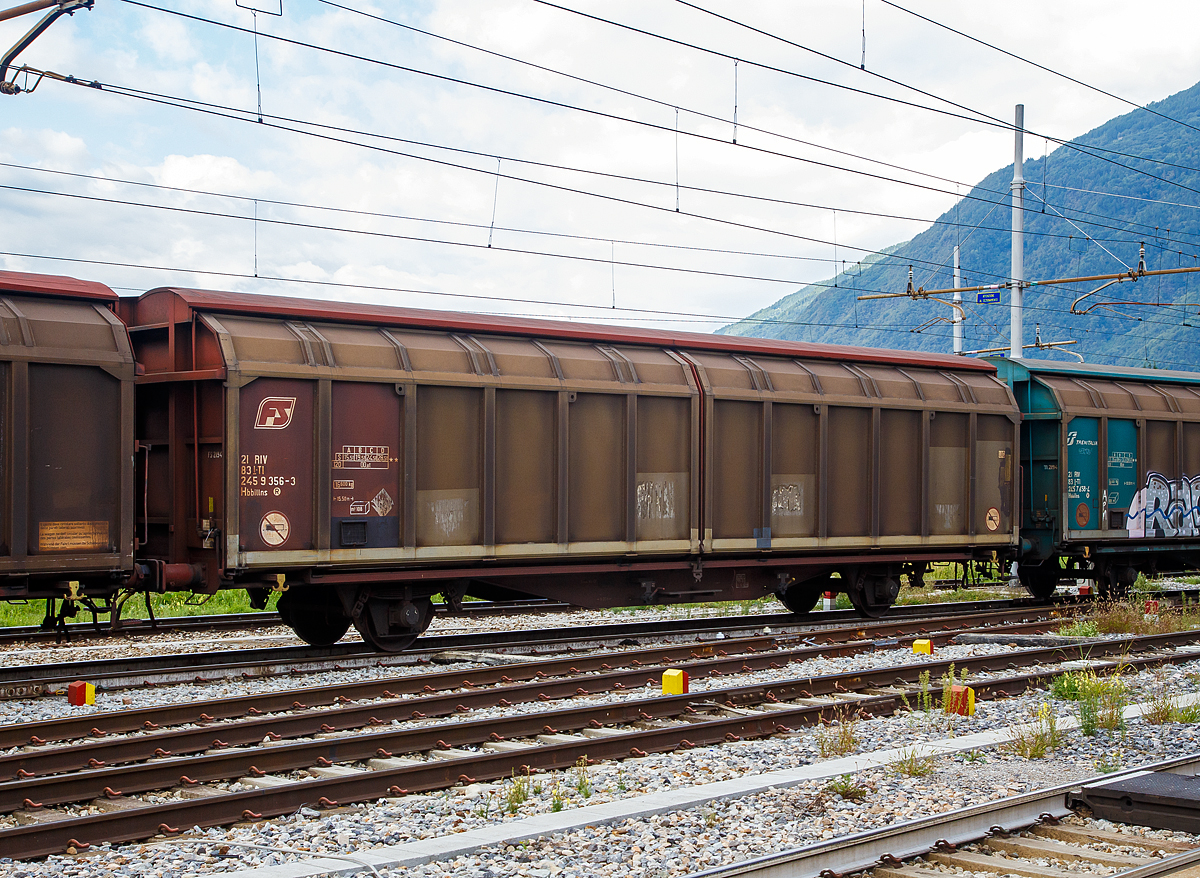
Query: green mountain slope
x=1074 y=185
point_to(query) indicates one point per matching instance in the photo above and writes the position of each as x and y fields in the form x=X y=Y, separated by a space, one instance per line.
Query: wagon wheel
x=315 y=614
x=871 y=593
x=393 y=625
x=1040 y=581
x=802 y=597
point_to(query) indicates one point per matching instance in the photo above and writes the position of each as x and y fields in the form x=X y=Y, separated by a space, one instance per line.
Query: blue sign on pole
x=988 y=298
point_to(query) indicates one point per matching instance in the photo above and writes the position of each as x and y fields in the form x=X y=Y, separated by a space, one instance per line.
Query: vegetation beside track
x=165 y=605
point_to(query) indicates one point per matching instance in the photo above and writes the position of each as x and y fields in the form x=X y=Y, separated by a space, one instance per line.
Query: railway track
x=28 y=681
x=1045 y=834
x=238 y=622
x=76 y=792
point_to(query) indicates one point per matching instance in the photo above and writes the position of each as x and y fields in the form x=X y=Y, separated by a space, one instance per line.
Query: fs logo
x=1071 y=436
x=275 y=412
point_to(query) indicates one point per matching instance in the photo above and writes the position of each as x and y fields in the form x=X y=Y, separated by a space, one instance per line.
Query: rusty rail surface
x=37 y=839
x=33 y=680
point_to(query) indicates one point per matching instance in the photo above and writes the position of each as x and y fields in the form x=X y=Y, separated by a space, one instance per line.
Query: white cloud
x=78 y=129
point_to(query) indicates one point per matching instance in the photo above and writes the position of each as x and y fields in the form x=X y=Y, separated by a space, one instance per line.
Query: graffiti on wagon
x=1165 y=508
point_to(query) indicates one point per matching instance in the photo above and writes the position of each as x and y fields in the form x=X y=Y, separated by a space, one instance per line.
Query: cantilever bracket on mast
x=60 y=7
x=918 y=293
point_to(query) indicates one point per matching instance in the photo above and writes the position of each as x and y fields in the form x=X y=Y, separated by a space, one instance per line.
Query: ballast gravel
x=86 y=649
x=683 y=841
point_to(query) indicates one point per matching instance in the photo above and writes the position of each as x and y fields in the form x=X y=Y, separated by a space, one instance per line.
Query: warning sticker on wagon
x=72 y=536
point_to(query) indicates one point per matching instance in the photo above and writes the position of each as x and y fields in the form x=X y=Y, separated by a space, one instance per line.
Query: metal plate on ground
x=1155 y=799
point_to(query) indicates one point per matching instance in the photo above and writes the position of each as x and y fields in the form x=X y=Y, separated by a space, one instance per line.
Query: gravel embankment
x=687 y=840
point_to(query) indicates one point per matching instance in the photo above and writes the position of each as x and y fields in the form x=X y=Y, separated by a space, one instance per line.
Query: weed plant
x=1162 y=708
x=583 y=781
x=839 y=737
x=1035 y=739
x=910 y=763
x=1081 y=628
x=165 y=605
x=846 y=787
x=517 y=793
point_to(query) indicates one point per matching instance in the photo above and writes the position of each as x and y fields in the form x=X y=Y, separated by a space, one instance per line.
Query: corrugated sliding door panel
x=1160 y=449
x=1190 y=452
x=596 y=492
x=74 y=460
x=900 y=473
x=737 y=469
x=849 y=472
x=993 y=474
x=526 y=466
x=368 y=455
x=948 y=478
x=449 y=465
x=664 y=439
x=795 y=440
x=275 y=443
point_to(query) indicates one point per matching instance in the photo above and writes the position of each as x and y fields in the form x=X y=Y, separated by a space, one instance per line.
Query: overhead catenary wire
x=1026 y=60
x=436 y=146
x=979 y=117
x=237 y=114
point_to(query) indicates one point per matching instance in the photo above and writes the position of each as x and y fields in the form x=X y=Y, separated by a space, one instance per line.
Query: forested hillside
x=1072 y=182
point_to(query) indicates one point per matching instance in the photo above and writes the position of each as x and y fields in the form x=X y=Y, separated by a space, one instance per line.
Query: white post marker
x=957 y=299
x=1016 y=340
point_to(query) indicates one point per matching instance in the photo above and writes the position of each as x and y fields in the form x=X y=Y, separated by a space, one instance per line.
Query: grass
x=1081 y=628
x=1037 y=738
x=838 y=737
x=171 y=604
x=910 y=763
x=936 y=596
x=846 y=787
x=1163 y=708
x=1128 y=617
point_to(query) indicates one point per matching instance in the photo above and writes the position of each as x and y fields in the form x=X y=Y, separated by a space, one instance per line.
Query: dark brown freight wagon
x=363 y=459
x=66 y=441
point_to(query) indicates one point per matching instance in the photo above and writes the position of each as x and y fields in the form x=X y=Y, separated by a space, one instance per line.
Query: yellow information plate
x=72 y=536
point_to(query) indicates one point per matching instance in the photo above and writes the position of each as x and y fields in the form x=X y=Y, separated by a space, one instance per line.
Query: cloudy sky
x=400 y=139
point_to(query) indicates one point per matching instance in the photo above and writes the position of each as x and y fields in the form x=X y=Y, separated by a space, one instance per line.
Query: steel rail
x=37 y=784
x=40 y=839
x=903 y=841
x=242 y=621
x=32 y=680
x=122 y=721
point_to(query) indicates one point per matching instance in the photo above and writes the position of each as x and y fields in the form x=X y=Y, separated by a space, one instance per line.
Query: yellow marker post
x=923 y=646
x=675 y=682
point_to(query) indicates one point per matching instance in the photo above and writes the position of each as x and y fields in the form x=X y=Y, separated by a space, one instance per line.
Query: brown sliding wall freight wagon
x=66 y=440
x=365 y=459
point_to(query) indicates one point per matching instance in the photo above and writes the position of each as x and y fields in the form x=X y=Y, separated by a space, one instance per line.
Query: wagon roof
x=350 y=312
x=54 y=285
x=1089 y=370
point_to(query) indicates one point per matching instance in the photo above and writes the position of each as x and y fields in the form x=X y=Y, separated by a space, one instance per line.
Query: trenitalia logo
x=275 y=412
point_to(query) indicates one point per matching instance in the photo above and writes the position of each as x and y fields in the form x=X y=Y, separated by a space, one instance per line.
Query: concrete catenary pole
x=1018 y=238
x=957 y=299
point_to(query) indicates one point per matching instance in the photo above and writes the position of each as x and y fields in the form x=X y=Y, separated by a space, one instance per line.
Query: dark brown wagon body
x=384 y=455
x=66 y=439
